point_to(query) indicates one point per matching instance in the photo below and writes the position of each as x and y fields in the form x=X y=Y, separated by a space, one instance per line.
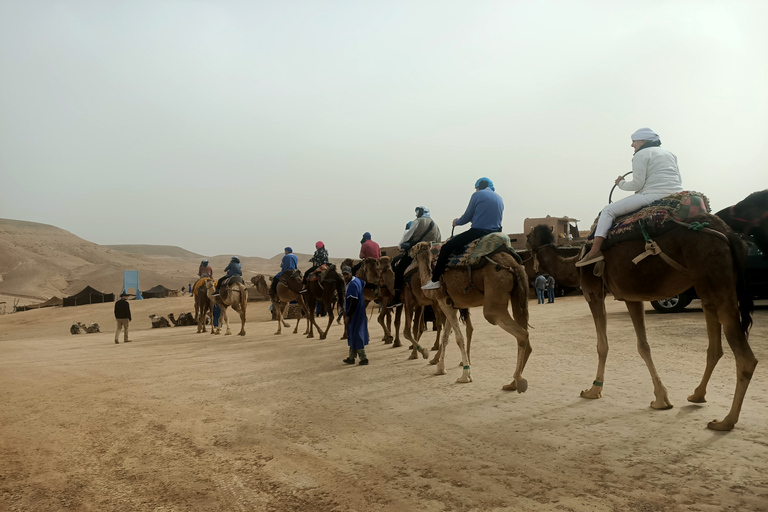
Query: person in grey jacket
x=423 y=229
x=550 y=288
x=540 y=283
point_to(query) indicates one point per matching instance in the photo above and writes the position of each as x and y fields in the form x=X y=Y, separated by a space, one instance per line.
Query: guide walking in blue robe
x=356 y=321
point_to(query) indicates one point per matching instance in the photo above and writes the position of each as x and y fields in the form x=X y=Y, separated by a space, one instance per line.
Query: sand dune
x=38 y=261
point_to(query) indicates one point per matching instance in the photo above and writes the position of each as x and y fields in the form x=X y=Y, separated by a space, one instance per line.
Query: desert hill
x=39 y=261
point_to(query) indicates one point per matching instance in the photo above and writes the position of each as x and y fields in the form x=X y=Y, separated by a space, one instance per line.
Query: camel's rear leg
x=241 y=312
x=384 y=313
x=398 y=317
x=714 y=351
x=223 y=319
x=452 y=323
x=745 y=363
x=497 y=314
x=637 y=313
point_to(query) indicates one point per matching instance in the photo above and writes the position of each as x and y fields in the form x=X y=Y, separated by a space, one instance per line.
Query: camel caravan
x=646 y=252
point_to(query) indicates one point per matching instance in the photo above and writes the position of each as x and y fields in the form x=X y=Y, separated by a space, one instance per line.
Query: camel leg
x=745 y=363
x=310 y=330
x=496 y=312
x=470 y=330
x=452 y=323
x=597 y=306
x=407 y=319
x=241 y=312
x=276 y=307
x=224 y=319
x=441 y=323
x=714 y=351
x=328 y=311
x=398 y=317
x=637 y=313
x=439 y=358
x=387 y=339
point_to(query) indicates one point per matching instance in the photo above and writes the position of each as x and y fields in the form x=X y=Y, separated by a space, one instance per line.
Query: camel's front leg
x=279 y=312
x=714 y=351
x=597 y=306
x=398 y=317
x=224 y=319
x=387 y=339
x=242 y=320
x=637 y=313
x=452 y=324
x=329 y=312
x=470 y=329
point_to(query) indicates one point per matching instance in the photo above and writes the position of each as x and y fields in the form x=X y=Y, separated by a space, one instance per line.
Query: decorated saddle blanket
x=319 y=274
x=656 y=218
x=474 y=253
x=198 y=284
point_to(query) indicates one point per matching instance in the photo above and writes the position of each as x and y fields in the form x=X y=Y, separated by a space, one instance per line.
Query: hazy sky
x=240 y=127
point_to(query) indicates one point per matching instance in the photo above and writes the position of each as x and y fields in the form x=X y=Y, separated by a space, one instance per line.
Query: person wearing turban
x=654 y=175
x=484 y=211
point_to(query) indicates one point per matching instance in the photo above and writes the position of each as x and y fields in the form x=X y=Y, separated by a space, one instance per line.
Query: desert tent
x=53 y=301
x=88 y=296
x=157 y=292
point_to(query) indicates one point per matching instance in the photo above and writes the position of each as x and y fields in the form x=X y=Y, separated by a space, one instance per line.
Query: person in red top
x=369 y=248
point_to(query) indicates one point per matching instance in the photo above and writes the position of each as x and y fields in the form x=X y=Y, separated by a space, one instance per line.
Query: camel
x=184 y=319
x=87 y=329
x=750 y=217
x=494 y=287
x=159 y=321
x=232 y=293
x=332 y=286
x=711 y=260
x=203 y=304
x=285 y=294
x=414 y=303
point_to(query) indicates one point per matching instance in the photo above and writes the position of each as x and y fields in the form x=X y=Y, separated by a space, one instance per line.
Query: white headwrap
x=645 y=134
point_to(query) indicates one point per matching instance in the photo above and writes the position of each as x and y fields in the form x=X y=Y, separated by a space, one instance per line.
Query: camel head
x=371 y=270
x=539 y=236
x=259 y=280
x=419 y=248
x=385 y=264
x=348 y=262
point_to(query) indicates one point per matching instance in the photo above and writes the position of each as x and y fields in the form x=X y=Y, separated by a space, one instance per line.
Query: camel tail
x=519 y=297
x=463 y=314
x=739 y=257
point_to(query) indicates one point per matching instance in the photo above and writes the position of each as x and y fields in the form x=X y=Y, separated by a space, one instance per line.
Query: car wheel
x=673 y=304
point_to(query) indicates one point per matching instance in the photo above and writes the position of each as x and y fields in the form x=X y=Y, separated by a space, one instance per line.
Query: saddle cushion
x=232 y=280
x=473 y=254
x=319 y=274
x=656 y=218
x=197 y=286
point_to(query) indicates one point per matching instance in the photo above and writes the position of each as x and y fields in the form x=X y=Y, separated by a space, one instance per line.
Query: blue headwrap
x=490 y=183
x=289 y=249
x=366 y=236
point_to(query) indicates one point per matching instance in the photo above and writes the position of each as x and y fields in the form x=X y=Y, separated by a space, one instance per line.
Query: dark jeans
x=454 y=245
x=551 y=294
x=399 y=268
x=273 y=286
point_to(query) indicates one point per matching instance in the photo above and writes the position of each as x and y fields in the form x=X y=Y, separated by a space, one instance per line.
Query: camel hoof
x=464 y=379
x=697 y=399
x=661 y=406
x=512 y=386
x=438 y=372
x=322 y=337
x=286 y=324
x=310 y=335
x=425 y=352
x=522 y=386
x=435 y=360
x=397 y=344
x=387 y=342
x=721 y=426
x=413 y=355
x=591 y=393
x=241 y=333
x=278 y=332
x=228 y=333
x=436 y=346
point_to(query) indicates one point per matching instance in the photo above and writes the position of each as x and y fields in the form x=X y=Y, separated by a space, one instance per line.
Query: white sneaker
x=431 y=285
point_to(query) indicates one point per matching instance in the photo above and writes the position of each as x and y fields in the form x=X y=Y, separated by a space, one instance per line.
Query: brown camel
x=203 y=304
x=750 y=217
x=232 y=293
x=711 y=260
x=285 y=294
x=494 y=287
x=332 y=287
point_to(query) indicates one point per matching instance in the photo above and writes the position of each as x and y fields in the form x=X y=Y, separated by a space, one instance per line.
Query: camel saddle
x=656 y=218
x=287 y=279
x=319 y=274
x=474 y=255
x=227 y=283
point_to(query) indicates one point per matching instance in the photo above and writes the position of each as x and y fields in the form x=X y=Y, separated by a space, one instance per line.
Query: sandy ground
x=180 y=421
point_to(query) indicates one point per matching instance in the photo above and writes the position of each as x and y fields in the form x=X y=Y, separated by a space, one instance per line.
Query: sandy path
x=180 y=421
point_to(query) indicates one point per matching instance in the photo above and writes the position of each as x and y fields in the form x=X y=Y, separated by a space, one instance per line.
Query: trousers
x=122 y=323
x=622 y=207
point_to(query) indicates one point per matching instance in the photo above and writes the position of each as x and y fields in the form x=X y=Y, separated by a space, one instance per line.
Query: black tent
x=157 y=292
x=88 y=296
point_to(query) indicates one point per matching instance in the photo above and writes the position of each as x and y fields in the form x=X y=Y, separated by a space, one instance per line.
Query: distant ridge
x=154 y=250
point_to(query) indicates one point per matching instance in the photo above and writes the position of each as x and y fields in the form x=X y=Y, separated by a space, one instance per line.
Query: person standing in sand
x=123 y=317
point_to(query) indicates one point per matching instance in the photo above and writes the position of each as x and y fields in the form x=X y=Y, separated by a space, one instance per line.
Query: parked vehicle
x=756 y=277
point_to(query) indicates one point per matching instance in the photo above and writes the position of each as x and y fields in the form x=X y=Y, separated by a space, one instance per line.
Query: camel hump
x=232 y=280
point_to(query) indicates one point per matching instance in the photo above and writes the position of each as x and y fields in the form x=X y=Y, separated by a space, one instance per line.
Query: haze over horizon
x=236 y=127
